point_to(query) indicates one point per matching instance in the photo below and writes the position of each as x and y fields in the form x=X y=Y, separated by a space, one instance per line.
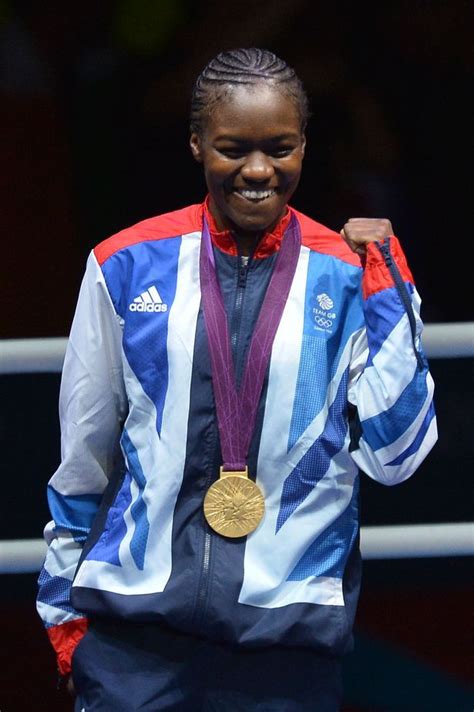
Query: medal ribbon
x=237 y=409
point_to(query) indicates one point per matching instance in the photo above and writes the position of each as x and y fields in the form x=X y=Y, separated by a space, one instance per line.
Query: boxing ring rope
x=21 y=556
x=443 y=340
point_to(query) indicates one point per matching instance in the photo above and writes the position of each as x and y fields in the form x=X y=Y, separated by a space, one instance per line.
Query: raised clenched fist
x=358 y=232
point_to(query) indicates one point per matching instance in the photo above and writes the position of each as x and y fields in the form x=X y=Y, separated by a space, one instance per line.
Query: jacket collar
x=224 y=240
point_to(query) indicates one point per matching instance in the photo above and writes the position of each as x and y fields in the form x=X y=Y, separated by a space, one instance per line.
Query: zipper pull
x=244 y=263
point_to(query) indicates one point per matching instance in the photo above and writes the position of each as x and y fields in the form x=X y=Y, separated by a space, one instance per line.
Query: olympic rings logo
x=322 y=322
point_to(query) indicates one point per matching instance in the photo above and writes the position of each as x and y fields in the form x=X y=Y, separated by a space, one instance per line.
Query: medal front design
x=234 y=506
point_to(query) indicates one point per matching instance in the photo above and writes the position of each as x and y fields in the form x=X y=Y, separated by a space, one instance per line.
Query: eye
x=281 y=152
x=232 y=153
x=238 y=152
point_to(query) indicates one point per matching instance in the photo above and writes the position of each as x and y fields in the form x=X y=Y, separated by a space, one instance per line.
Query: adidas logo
x=148 y=301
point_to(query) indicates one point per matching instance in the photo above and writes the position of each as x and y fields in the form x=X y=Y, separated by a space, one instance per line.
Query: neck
x=247 y=243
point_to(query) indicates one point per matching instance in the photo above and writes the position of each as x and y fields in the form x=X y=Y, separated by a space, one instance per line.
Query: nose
x=258 y=167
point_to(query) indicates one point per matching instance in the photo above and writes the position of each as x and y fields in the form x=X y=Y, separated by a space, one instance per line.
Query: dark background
x=93 y=130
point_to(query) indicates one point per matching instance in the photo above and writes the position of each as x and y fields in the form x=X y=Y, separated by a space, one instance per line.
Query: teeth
x=256 y=194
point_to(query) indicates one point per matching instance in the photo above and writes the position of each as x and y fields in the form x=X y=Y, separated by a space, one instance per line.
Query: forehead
x=257 y=111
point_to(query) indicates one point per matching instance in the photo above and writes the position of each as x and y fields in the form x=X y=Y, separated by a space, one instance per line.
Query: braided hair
x=243 y=66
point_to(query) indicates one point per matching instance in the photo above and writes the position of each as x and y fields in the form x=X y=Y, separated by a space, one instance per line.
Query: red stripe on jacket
x=376 y=273
x=178 y=222
x=64 y=639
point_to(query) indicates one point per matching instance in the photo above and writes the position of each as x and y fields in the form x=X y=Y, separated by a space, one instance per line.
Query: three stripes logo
x=148 y=301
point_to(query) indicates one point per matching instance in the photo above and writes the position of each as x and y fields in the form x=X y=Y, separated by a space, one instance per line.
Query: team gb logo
x=323 y=314
x=325 y=301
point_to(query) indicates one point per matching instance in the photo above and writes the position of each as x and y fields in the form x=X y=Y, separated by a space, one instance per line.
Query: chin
x=257 y=226
x=256 y=223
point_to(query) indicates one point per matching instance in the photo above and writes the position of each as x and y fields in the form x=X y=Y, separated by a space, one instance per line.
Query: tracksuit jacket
x=347 y=389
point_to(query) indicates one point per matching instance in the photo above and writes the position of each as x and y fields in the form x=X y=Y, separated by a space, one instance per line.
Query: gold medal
x=234 y=505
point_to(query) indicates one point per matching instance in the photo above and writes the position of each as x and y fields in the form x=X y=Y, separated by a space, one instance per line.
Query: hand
x=70 y=686
x=358 y=232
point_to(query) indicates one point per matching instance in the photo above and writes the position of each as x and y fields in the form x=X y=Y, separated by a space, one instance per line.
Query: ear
x=303 y=145
x=195 y=143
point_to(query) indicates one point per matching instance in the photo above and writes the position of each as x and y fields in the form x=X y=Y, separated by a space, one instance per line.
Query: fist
x=358 y=232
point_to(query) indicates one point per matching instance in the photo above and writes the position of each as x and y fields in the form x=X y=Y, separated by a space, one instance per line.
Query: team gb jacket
x=347 y=389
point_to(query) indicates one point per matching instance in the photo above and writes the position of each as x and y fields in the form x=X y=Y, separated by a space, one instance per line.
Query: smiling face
x=251 y=148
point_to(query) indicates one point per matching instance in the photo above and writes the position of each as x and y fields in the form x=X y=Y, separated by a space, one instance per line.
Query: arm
x=92 y=407
x=394 y=424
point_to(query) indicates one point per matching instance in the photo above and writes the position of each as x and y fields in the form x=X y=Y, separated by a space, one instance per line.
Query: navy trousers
x=124 y=667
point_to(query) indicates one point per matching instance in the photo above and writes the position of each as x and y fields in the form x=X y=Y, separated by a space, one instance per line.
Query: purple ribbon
x=237 y=409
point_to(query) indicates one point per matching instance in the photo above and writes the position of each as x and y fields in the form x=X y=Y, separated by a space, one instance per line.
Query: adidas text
x=148 y=301
x=148 y=307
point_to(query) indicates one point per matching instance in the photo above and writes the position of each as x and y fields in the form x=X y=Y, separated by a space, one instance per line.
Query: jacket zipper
x=234 y=335
x=384 y=249
x=239 y=299
x=200 y=609
x=203 y=586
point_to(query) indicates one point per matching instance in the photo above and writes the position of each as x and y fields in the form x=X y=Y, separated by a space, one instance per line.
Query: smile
x=255 y=195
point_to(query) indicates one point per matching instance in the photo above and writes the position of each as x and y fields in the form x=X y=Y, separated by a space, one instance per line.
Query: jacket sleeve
x=92 y=407
x=394 y=423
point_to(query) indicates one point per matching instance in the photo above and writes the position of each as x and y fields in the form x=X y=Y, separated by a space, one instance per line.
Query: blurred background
x=94 y=137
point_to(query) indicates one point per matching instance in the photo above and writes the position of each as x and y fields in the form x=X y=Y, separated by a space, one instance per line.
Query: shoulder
x=319 y=238
x=169 y=225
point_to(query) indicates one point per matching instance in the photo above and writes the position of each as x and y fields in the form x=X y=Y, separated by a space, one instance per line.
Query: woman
x=230 y=368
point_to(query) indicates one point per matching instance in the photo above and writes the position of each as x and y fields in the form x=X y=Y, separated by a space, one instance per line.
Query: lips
x=255 y=195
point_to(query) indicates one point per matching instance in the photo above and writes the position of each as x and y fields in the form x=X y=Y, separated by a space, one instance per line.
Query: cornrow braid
x=243 y=66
